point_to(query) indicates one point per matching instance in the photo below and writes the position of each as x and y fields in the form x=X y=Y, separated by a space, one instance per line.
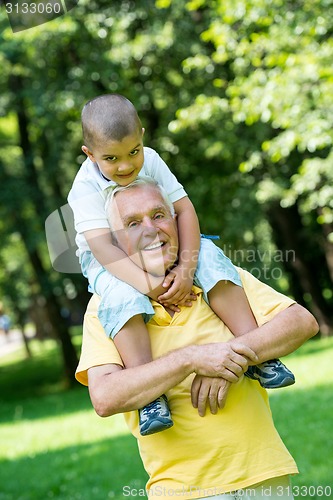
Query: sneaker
x=271 y=375
x=155 y=417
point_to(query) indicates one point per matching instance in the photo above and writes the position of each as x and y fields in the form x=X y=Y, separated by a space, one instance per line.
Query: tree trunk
x=308 y=264
x=21 y=322
x=328 y=247
x=24 y=225
x=53 y=308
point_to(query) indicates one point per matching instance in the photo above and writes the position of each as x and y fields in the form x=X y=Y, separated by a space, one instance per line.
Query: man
x=235 y=447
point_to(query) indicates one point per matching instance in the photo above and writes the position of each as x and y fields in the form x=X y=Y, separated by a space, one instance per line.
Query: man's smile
x=154 y=246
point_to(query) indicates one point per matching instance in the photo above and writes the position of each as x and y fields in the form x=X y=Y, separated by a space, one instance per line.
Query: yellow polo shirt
x=198 y=457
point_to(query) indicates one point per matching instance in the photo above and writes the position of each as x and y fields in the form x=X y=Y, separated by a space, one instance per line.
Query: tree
x=271 y=63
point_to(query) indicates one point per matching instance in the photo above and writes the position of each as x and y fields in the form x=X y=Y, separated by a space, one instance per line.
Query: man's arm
x=280 y=336
x=116 y=390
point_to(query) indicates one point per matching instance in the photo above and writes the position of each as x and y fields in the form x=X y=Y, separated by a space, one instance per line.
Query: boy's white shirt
x=87 y=195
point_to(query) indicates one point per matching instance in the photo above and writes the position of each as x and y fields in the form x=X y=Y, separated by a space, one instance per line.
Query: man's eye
x=158 y=216
x=133 y=224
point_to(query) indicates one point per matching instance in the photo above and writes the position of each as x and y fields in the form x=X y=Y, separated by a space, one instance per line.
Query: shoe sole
x=156 y=427
x=286 y=383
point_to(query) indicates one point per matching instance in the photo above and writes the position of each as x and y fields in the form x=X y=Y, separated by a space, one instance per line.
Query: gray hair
x=139 y=181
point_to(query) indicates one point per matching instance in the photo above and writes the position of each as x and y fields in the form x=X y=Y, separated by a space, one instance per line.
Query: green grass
x=53 y=446
x=303 y=415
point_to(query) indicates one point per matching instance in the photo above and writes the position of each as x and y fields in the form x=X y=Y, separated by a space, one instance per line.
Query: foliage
x=270 y=67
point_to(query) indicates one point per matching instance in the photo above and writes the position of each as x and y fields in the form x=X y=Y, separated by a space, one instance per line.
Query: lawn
x=53 y=446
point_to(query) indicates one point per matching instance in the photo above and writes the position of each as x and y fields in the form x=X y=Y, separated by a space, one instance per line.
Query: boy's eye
x=111 y=158
x=134 y=152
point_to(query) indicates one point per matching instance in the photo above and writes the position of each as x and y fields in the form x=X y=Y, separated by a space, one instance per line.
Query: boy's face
x=119 y=161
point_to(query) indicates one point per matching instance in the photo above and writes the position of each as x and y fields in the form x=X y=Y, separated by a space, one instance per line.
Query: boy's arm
x=189 y=235
x=181 y=277
x=114 y=260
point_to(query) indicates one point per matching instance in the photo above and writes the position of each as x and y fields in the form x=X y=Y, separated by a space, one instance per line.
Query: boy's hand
x=179 y=284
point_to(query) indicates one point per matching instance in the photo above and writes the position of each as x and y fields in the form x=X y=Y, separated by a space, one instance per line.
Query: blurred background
x=237 y=98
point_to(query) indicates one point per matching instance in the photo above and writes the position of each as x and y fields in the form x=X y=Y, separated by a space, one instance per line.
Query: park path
x=10 y=342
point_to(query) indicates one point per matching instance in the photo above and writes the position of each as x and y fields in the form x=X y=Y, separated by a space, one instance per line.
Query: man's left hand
x=209 y=392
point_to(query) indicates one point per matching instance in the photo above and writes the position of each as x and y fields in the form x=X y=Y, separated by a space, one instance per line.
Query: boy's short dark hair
x=109 y=116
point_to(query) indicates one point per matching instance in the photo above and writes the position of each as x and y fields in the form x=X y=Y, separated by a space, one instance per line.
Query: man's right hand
x=222 y=360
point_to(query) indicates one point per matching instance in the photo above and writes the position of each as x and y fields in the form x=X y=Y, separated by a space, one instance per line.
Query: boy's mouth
x=126 y=176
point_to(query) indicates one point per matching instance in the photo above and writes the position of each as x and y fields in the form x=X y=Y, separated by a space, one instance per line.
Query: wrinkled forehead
x=136 y=202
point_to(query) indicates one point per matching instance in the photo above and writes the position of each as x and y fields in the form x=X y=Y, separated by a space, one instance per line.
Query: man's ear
x=88 y=153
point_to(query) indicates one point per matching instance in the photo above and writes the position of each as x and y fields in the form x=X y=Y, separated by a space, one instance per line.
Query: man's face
x=119 y=161
x=145 y=229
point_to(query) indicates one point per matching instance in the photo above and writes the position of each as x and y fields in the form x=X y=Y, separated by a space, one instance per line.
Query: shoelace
x=151 y=408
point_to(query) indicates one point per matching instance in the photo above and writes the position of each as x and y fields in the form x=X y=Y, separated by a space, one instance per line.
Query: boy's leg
x=222 y=287
x=230 y=303
x=121 y=312
x=133 y=344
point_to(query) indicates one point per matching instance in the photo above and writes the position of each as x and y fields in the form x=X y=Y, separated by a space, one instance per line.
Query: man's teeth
x=154 y=245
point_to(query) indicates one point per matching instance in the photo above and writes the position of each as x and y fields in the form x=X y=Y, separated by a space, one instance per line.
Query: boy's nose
x=125 y=165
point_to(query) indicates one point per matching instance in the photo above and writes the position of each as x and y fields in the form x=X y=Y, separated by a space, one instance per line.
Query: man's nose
x=149 y=225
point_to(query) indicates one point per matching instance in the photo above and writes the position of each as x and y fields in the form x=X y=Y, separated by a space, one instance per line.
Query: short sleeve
x=265 y=302
x=156 y=168
x=88 y=208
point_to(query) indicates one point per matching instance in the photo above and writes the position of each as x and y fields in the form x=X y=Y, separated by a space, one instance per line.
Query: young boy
x=113 y=143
